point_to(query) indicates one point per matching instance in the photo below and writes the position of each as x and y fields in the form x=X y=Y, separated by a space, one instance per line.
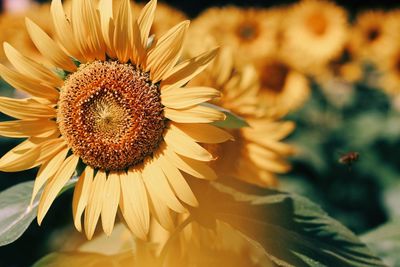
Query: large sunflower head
x=117 y=107
x=252 y=33
x=314 y=32
x=258 y=153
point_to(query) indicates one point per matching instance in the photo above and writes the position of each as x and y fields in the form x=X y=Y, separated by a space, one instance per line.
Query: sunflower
x=258 y=152
x=281 y=86
x=252 y=33
x=345 y=68
x=314 y=32
x=389 y=69
x=122 y=115
x=373 y=34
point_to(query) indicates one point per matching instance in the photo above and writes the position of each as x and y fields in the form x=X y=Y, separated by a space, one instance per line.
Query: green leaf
x=385 y=241
x=232 y=120
x=15 y=213
x=292 y=230
x=61 y=73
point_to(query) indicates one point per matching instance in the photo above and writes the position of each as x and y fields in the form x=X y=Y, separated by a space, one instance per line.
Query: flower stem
x=171 y=240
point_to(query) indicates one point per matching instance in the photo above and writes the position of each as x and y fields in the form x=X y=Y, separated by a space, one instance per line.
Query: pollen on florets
x=111 y=115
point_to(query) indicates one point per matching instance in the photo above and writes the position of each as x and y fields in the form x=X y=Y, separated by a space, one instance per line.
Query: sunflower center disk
x=111 y=115
x=274 y=77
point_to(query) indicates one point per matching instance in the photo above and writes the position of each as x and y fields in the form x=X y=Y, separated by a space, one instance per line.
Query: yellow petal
x=29 y=144
x=249 y=172
x=157 y=183
x=204 y=133
x=112 y=195
x=107 y=25
x=180 y=98
x=193 y=167
x=30 y=68
x=123 y=33
x=138 y=53
x=266 y=159
x=182 y=144
x=196 y=114
x=28 y=85
x=95 y=203
x=48 y=47
x=27 y=128
x=134 y=205
x=223 y=65
x=164 y=56
x=27 y=108
x=276 y=166
x=268 y=129
x=145 y=20
x=81 y=195
x=55 y=185
x=63 y=30
x=159 y=209
x=87 y=30
x=276 y=146
x=178 y=182
x=161 y=212
x=17 y=160
x=185 y=71
x=47 y=171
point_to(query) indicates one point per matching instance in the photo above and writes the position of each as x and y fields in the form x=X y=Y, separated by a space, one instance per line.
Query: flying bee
x=349 y=158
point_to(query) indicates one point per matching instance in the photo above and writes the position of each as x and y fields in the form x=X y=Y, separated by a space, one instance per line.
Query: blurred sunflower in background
x=282 y=87
x=346 y=67
x=373 y=35
x=121 y=114
x=258 y=153
x=251 y=33
x=389 y=68
x=314 y=32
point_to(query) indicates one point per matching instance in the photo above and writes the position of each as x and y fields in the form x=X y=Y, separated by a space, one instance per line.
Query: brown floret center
x=317 y=23
x=274 y=76
x=248 y=31
x=111 y=115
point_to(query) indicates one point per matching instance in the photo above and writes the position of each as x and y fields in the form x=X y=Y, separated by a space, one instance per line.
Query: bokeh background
x=347 y=109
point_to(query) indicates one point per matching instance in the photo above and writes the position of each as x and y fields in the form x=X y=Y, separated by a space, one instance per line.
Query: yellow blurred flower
x=346 y=67
x=252 y=33
x=258 y=152
x=282 y=87
x=123 y=114
x=374 y=34
x=389 y=69
x=314 y=32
